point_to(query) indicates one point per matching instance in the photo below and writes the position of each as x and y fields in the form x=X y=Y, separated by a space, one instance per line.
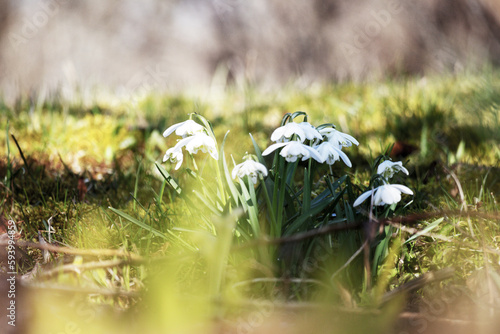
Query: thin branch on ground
x=328 y=229
x=75 y=289
x=419 y=282
x=77 y=251
x=78 y=269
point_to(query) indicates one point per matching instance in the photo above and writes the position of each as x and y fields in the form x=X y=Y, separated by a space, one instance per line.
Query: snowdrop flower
x=385 y=194
x=331 y=153
x=192 y=144
x=294 y=150
x=388 y=168
x=311 y=132
x=202 y=142
x=338 y=138
x=284 y=133
x=251 y=169
x=184 y=129
x=174 y=155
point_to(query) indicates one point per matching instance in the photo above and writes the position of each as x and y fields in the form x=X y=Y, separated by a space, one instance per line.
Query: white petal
x=294 y=150
x=213 y=153
x=249 y=168
x=310 y=131
x=171 y=129
x=363 y=197
x=262 y=169
x=285 y=132
x=389 y=168
x=278 y=133
x=174 y=154
x=377 y=198
x=291 y=158
x=184 y=129
x=273 y=147
x=184 y=141
x=314 y=154
x=351 y=139
x=179 y=163
x=403 y=189
x=235 y=171
x=383 y=166
x=345 y=159
x=389 y=194
x=338 y=138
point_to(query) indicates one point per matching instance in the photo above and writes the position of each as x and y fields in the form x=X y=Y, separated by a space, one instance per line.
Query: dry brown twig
x=82 y=290
x=78 y=269
x=76 y=251
x=324 y=230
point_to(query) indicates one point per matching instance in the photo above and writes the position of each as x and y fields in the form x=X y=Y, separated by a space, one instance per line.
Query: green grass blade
x=136 y=187
x=252 y=209
x=429 y=228
x=150 y=228
x=223 y=165
x=258 y=152
x=138 y=223
x=166 y=175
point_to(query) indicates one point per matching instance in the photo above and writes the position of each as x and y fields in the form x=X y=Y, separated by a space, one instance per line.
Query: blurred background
x=127 y=45
x=70 y=72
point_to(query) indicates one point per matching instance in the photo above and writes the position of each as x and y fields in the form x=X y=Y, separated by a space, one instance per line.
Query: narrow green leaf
x=429 y=227
x=136 y=187
x=206 y=124
x=257 y=150
x=223 y=165
x=252 y=210
x=297 y=224
x=138 y=223
x=207 y=203
x=306 y=198
x=150 y=228
x=166 y=175
x=381 y=251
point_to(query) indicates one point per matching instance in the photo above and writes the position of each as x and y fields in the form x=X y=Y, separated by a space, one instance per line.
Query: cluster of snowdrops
x=296 y=144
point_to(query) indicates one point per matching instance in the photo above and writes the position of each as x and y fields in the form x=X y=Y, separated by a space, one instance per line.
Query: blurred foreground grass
x=81 y=157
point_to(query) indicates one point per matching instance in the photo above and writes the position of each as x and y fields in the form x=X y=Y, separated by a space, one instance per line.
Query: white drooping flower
x=338 y=138
x=174 y=155
x=200 y=141
x=184 y=129
x=331 y=153
x=294 y=150
x=285 y=133
x=385 y=194
x=249 y=168
x=388 y=168
x=192 y=144
x=311 y=132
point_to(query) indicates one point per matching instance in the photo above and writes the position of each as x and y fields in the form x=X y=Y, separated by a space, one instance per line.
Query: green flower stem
x=272 y=231
x=332 y=179
x=253 y=211
x=278 y=175
x=220 y=180
x=281 y=199
x=306 y=199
